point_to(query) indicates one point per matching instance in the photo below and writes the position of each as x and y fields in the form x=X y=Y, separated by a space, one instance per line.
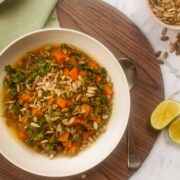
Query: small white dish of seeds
x=165 y=12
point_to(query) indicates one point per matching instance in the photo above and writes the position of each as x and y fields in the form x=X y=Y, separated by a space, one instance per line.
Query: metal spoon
x=134 y=159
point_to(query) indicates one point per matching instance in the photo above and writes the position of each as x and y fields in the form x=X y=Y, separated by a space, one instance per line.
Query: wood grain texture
x=124 y=39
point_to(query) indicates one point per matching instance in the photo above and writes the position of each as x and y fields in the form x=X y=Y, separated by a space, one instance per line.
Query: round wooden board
x=124 y=39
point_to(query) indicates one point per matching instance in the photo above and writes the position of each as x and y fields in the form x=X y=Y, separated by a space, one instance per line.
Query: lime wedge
x=174 y=130
x=164 y=113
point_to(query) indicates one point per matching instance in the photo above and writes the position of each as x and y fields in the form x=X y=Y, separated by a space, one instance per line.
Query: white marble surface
x=164 y=160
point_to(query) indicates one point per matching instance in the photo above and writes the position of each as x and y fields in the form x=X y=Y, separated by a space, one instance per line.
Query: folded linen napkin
x=18 y=17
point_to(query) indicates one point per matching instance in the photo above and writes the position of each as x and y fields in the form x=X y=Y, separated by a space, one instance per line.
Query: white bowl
x=175 y=27
x=16 y=152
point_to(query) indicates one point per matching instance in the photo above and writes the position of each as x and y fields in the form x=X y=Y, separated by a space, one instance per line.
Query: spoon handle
x=134 y=159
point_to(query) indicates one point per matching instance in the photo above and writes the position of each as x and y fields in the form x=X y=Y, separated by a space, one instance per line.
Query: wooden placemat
x=124 y=39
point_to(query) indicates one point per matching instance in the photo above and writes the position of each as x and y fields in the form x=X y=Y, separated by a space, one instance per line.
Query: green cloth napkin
x=18 y=17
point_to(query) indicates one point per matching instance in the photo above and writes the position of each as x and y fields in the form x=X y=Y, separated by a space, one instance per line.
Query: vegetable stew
x=58 y=99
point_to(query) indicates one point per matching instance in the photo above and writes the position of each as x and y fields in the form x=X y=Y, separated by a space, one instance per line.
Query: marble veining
x=163 y=161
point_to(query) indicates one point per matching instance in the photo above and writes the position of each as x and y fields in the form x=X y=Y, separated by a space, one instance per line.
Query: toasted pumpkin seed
x=164 y=31
x=164 y=38
x=160 y=61
x=35 y=125
x=165 y=55
x=158 y=53
x=64 y=110
x=178 y=51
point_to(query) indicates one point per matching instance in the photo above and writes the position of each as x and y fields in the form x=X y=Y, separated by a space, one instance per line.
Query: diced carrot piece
x=98 y=79
x=73 y=73
x=22 y=135
x=67 y=144
x=97 y=119
x=25 y=119
x=26 y=105
x=36 y=112
x=33 y=111
x=25 y=97
x=68 y=103
x=62 y=103
x=83 y=73
x=73 y=149
x=85 y=135
x=80 y=122
x=93 y=65
x=37 y=52
x=40 y=113
x=66 y=71
x=59 y=56
x=107 y=90
x=50 y=101
x=64 y=137
x=10 y=97
x=73 y=60
x=86 y=108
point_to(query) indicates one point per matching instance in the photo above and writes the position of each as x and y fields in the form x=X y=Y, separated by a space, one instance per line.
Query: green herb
x=28 y=141
x=100 y=86
x=13 y=92
x=103 y=72
x=44 y=69
x=51 y=146
x=32 y=75
x=52 y=139
x=15 y=76
x=41 y=121
x=64 y=46
x=76 y=55
x=32 y=131
x=17 y=108
x=75 y=137
x=39 y=136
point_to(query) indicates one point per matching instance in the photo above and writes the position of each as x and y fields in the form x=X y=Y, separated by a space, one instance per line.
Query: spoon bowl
x=130 y=71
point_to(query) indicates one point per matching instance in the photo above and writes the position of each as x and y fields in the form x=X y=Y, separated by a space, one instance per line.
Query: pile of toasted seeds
x=64 y=86
x=174 y=47
x=168 y=11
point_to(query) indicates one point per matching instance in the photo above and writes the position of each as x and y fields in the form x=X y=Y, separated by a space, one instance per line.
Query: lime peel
x=164 y=114
x=174 y=130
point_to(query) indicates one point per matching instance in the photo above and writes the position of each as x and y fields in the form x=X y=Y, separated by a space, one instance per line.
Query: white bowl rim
x=125 y=87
